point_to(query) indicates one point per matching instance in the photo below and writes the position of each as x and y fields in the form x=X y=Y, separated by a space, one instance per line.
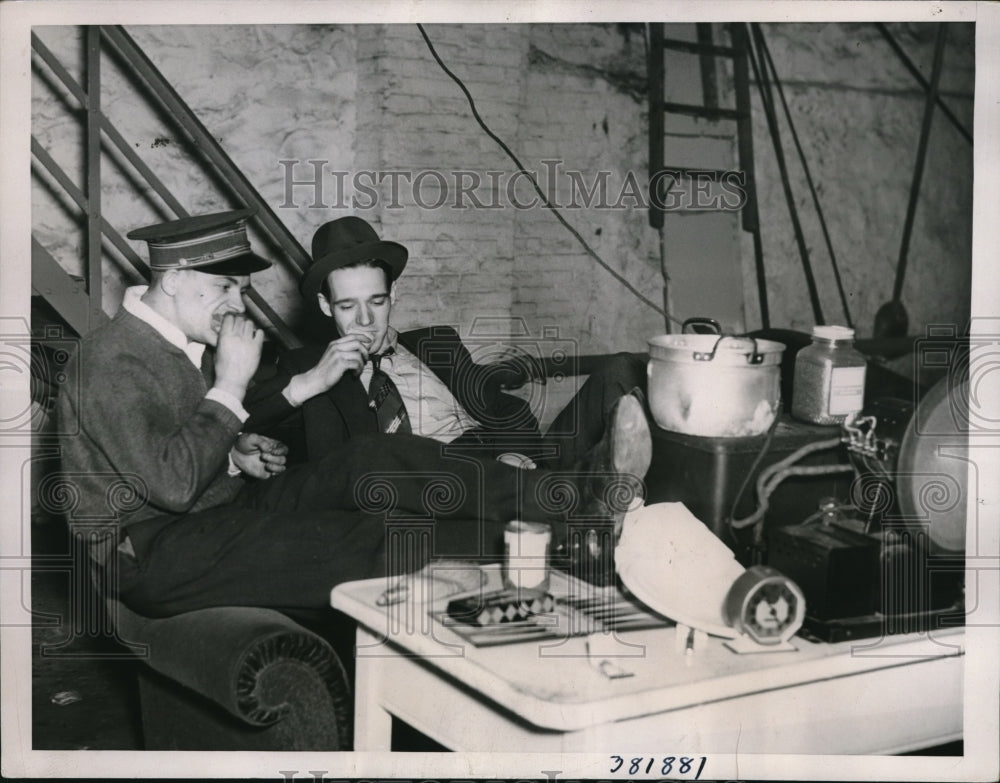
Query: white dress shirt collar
x=133 y=304
x=391 y=339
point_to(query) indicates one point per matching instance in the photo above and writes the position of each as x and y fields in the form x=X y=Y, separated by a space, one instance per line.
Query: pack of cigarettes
x=507 y=606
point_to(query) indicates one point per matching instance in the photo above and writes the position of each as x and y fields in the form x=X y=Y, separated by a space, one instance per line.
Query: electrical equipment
x=714 y=477
x=890 y=557
x=876 y=548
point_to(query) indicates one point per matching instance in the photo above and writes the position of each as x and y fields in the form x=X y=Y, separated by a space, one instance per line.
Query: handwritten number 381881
x=666 y=765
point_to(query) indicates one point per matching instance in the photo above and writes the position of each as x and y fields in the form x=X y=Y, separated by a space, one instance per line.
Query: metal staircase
x=77 y=301
x=61 y=300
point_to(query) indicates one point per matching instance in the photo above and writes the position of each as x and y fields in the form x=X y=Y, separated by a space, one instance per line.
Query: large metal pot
x=714 y=385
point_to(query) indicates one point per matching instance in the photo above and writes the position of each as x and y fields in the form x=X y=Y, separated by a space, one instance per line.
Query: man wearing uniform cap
x=185 y=510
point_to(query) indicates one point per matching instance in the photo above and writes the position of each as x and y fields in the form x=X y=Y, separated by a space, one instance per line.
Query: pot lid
x=718 y=349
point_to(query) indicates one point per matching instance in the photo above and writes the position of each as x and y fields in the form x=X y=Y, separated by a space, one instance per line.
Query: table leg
x=372 y=723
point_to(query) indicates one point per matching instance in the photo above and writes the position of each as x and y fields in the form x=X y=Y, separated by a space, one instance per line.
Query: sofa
x=236 y=678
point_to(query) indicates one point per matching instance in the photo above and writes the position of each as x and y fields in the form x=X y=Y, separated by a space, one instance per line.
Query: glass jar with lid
x=829 y=384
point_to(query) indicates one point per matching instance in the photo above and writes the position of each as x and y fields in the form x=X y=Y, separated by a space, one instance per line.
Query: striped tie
x=384 y=399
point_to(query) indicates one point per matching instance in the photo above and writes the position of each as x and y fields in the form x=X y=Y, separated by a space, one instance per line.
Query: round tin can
x=526 y=555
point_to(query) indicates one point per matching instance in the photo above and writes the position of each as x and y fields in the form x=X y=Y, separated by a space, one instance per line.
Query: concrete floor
x=83 y=690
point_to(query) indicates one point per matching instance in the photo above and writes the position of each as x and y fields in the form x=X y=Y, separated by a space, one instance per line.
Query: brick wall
x=584 y=107
x=461 y=258
x=479 y=268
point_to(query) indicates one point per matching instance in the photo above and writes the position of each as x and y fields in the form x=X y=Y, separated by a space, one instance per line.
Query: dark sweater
x=142 y=441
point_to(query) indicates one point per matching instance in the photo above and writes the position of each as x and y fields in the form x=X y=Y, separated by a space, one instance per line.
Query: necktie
x=384 y=399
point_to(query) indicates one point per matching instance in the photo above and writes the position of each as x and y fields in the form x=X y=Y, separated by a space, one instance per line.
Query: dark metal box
x=706 y=474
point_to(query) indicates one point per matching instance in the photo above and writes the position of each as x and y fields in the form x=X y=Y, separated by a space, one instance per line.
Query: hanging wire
x=812 y=188
x=534 y=182
x=767 y=101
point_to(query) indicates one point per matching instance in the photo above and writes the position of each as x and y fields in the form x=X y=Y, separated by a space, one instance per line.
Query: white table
x=877 y=696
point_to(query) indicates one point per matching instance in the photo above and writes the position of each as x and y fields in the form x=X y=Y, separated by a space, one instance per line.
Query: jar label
x=847 y=390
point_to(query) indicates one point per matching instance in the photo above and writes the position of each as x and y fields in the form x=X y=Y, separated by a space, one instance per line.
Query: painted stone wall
x=352 y=104
x=584 y=98
x=422 y=137
x=858 y=112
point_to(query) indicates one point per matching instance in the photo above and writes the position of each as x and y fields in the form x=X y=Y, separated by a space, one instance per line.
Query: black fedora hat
x=347 y=241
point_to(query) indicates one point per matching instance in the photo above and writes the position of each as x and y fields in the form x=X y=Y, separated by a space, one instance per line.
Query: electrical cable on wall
x=531 y=178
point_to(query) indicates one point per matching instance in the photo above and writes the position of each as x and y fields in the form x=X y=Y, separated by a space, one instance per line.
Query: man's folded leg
x=286 y=560
x=405 y=476
x=579 y=426
x=380 y=505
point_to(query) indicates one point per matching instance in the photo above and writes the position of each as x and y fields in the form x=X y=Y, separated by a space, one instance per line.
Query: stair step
x=64 y=292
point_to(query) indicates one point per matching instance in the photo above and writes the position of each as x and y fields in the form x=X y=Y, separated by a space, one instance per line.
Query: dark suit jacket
x=342 y=413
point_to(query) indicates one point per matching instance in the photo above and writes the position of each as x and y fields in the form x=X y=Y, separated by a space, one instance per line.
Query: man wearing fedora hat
x=184 y=507
x=445 y=394
x=329 y=382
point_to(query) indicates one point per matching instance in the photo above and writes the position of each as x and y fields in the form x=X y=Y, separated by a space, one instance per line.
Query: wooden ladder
x=708 y=52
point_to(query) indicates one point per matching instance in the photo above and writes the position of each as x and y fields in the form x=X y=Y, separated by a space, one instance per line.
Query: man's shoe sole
x=632 y=443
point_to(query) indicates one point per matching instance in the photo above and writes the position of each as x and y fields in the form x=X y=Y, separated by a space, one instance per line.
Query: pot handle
x=709 y=323
x=754 y=357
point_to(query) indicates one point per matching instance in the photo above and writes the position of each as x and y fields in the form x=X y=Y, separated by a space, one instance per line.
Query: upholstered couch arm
x=284 y=685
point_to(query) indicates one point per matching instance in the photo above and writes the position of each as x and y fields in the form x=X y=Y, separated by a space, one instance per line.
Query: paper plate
x=676 y=566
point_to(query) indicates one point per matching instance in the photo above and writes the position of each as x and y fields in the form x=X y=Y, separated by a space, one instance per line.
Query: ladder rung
x=687 y=172
x=703 y=210
x=702 y=111
x=693 y=47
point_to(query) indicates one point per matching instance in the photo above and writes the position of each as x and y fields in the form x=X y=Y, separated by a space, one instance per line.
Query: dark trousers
x=581 y=424
x=380 y=504
x=577 y=428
